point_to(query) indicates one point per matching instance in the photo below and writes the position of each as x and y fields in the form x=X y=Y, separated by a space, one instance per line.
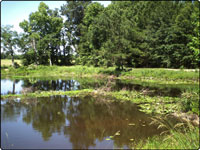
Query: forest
x=138 y=34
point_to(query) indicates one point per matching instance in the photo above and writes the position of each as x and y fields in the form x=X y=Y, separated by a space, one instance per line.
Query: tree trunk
x=56 y=55
x=34 y=47
x=13 y=92
x=50 y=61
x=13 y=64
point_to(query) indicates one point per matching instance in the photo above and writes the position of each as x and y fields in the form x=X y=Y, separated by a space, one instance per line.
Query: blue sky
x=14 y=12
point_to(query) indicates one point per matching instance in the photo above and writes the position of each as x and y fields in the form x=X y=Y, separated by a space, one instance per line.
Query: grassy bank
x=175 y=140
x=150 y=75
x=48 y=93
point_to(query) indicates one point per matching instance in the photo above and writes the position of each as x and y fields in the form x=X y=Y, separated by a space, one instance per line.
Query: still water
x=80 y=123
x=31 y=85
x=27 y=85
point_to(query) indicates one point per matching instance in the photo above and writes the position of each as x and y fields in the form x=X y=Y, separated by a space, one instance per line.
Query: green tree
x=122 y=36
x=194 y=44
x=184 y=30
x=9 y=40
x=74 y=13
x=43 y=30
x=91 y=38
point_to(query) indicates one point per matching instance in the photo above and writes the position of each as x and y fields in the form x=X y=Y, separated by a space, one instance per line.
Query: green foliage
x=74 y=12
x=16 y=65
x=9 y=40
x=190 y=102
x=185 y=138
x=42 y=36
x=49 y=93
x=162 y=34
x=178 y=140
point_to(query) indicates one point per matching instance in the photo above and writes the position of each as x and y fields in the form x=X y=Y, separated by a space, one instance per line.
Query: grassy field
x=8 y=62
x=144 y=74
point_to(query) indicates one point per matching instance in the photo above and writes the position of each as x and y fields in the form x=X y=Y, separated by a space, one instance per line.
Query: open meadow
x=8 y=62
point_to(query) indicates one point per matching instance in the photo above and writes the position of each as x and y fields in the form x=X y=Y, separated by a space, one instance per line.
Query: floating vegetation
x=117 y=133
x=131 y=124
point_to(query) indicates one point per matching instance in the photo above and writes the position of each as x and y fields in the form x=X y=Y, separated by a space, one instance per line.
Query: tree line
x=124 y=34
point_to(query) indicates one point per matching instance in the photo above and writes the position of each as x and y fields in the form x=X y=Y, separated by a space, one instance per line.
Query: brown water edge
x=82 y=122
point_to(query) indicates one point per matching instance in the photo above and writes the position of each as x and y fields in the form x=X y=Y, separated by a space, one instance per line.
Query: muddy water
x=64 y=122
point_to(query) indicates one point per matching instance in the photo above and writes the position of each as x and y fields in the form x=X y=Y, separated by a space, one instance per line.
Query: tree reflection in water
x=31 y=85
x=56 y=85
x=89 y=122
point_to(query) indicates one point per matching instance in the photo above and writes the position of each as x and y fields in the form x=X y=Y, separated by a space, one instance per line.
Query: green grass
x=175 y=140
x=8 y=62
x=177 y=136
x=168 y=76
x=163 y=76
x=48 y=93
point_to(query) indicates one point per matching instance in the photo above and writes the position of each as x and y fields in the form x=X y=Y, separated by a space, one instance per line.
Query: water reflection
x=30 y=85
x=11 y=87
x=83 y=122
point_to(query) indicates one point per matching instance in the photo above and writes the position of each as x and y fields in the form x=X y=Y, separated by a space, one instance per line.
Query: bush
x=16 y=65
x=190 y=102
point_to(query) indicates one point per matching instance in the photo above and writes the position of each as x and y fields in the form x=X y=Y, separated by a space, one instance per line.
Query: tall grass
x=180 y=136
x=176 y=140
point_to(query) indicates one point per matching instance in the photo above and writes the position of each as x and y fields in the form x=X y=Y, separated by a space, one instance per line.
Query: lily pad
x=131 y=124
x=117 y=133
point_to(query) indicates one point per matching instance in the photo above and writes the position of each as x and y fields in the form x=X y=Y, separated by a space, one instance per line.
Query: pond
x=32 y=85
x=66 y=122
x=73 y=122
